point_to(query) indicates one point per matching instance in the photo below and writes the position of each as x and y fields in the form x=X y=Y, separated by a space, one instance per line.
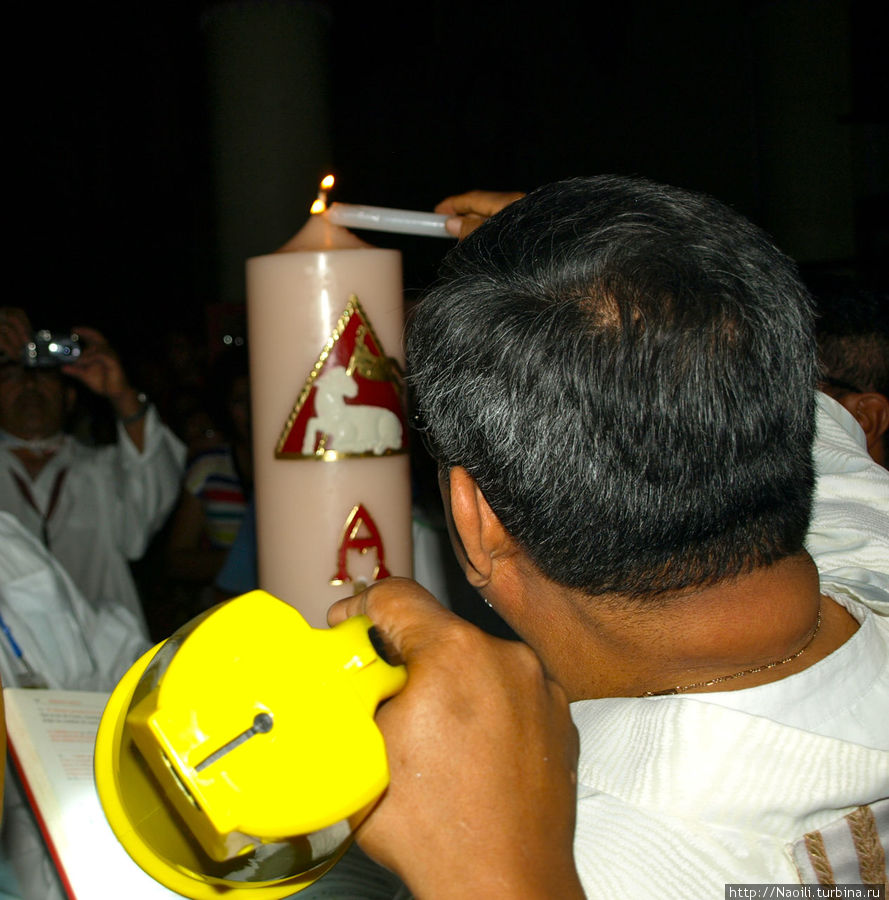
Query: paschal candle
x=333 y=499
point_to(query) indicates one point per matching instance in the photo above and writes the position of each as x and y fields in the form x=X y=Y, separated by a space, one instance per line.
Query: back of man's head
x=627 y=372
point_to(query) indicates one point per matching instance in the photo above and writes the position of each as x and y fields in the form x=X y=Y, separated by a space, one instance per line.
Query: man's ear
x=871 y=411
x=481 y=536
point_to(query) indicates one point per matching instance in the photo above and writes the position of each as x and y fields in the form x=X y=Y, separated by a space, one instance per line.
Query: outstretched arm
x=482 y=753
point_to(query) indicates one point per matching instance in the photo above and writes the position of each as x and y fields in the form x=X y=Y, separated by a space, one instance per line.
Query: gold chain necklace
x=752 y=671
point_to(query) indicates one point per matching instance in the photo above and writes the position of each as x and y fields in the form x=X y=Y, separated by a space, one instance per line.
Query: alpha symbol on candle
x=350 y=404
x=359 y=519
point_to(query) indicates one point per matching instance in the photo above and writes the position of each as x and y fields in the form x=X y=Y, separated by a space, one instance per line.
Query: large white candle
x=329 y=436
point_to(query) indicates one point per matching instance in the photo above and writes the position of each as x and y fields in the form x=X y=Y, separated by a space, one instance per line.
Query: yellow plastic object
x=236 y=758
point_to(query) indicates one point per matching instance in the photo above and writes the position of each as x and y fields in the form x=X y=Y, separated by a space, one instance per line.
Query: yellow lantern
x=236 y=758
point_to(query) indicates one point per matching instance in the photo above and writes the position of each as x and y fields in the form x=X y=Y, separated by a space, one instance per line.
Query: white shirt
x=52 y=631
x=849 y=534
x=680 y=795
x=845 y=695
x=113 y=499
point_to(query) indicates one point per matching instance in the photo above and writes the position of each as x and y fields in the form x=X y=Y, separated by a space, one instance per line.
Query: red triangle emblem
x=351 y=404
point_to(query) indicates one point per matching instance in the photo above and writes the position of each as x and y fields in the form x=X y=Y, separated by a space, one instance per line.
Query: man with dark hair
x=853 y=349
x=618 y=381
x=665 y=375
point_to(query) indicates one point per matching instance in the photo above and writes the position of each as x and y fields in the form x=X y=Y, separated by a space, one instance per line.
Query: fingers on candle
x=469 y=210
x=406 y=616
x=462 y=226
x=454 y=225
x=482 y=203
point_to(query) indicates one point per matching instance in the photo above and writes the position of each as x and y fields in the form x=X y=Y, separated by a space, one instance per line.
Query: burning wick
x=320 y=202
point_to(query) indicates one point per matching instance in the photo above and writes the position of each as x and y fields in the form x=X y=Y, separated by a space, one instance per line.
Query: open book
x=51 y=735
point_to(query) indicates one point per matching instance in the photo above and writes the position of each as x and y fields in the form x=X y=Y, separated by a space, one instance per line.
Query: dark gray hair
x=627 y=370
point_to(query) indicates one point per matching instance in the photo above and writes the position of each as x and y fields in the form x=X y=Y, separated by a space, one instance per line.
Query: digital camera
x=48 y=349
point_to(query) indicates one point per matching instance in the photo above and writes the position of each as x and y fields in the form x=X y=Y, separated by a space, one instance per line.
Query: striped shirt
x=213 y=478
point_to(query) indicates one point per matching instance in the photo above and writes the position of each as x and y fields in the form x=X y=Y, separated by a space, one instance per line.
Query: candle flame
x=319 y=204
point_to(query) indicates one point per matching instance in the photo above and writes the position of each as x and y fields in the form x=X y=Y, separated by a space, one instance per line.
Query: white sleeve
x=116 y=642
x=148 y=483
x=50 y=628
x=849 y=533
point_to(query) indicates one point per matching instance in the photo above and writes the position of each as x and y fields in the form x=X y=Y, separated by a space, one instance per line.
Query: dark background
x=775 y=107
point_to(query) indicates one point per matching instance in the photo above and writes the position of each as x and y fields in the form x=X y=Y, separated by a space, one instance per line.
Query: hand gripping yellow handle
x=240 y=754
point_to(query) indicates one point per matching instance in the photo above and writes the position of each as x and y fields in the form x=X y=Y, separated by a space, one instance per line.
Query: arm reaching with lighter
x=482 y=753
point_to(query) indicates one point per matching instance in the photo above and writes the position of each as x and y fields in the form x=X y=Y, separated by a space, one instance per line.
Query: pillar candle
x=332 y=475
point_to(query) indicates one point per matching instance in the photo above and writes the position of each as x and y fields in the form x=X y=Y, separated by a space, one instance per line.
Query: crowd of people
x=660 y=469
x=79 y=509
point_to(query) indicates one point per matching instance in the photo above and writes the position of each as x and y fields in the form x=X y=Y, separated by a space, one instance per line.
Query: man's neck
x=750 y=630
x=34 y=450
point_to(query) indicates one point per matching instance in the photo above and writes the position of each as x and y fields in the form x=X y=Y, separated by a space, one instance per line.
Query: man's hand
x=469 y=210
x=15 y=332
x=482 y=753
x=100 y=369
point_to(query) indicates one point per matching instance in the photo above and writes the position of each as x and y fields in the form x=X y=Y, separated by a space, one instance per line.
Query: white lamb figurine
x=349 y=429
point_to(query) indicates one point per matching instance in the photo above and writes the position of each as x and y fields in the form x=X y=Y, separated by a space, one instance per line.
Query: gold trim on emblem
x=362 y=361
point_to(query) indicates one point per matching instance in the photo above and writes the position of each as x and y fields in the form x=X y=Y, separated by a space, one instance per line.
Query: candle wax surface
x=319 y=234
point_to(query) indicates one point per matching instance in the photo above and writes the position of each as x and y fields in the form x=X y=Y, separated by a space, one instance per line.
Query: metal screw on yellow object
x=237 y=757
x=262 y=723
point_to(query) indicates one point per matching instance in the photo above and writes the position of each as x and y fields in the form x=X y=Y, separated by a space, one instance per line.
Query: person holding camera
x=94 y=508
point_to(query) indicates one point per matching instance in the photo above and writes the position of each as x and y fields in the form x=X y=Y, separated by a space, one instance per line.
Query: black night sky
x=137 y=200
